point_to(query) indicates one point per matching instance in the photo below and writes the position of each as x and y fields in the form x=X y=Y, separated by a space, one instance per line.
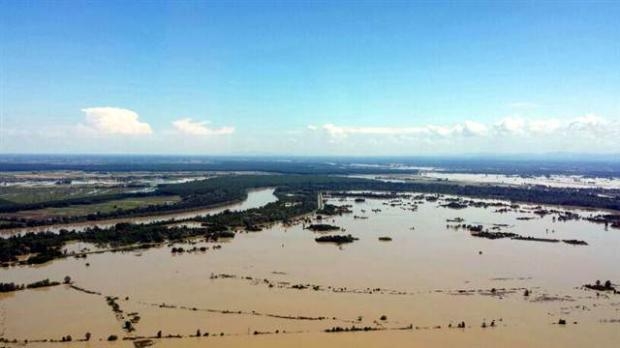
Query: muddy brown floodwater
x=279 y=288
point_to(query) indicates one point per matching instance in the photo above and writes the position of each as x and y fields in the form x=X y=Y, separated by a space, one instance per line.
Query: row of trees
x=46 y=246
x=297 y=195
x=9 y=287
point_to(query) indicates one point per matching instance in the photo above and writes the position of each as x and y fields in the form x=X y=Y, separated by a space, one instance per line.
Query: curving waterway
x=255 y=199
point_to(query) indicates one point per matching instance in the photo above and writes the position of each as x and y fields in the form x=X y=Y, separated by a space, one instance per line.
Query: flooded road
x=280 y=288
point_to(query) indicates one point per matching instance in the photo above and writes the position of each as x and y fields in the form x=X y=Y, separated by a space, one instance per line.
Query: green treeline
x=46 y=246
x=196 y=194
x=297 y=195
x=231 y=188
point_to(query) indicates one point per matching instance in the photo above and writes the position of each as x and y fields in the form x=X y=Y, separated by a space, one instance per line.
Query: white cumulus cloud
x=191 y=127
x=112 y=120
x=588 y=122
x=510 y=125
x=467 y=128
x=586 y=126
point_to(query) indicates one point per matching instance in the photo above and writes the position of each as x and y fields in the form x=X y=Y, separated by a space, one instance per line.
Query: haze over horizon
x=298 y=78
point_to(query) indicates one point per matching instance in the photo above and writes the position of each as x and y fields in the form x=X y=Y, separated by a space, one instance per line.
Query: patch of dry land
x=439 y=282
x=86 y=209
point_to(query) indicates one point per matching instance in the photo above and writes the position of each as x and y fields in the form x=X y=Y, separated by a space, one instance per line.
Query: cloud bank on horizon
x=586 y=126
x=117 y=129
x=121 y=121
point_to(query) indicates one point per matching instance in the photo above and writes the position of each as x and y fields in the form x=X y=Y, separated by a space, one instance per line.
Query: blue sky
x=309 y=78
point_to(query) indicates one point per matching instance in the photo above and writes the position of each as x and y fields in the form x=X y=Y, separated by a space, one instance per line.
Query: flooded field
x=79 y=178
x=256 y=198
x=428 y=284
x=558 y=181
x=574 y=181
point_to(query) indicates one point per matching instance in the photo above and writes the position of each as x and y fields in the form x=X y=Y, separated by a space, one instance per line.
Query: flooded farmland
x=429 y=283
x=256 y=198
